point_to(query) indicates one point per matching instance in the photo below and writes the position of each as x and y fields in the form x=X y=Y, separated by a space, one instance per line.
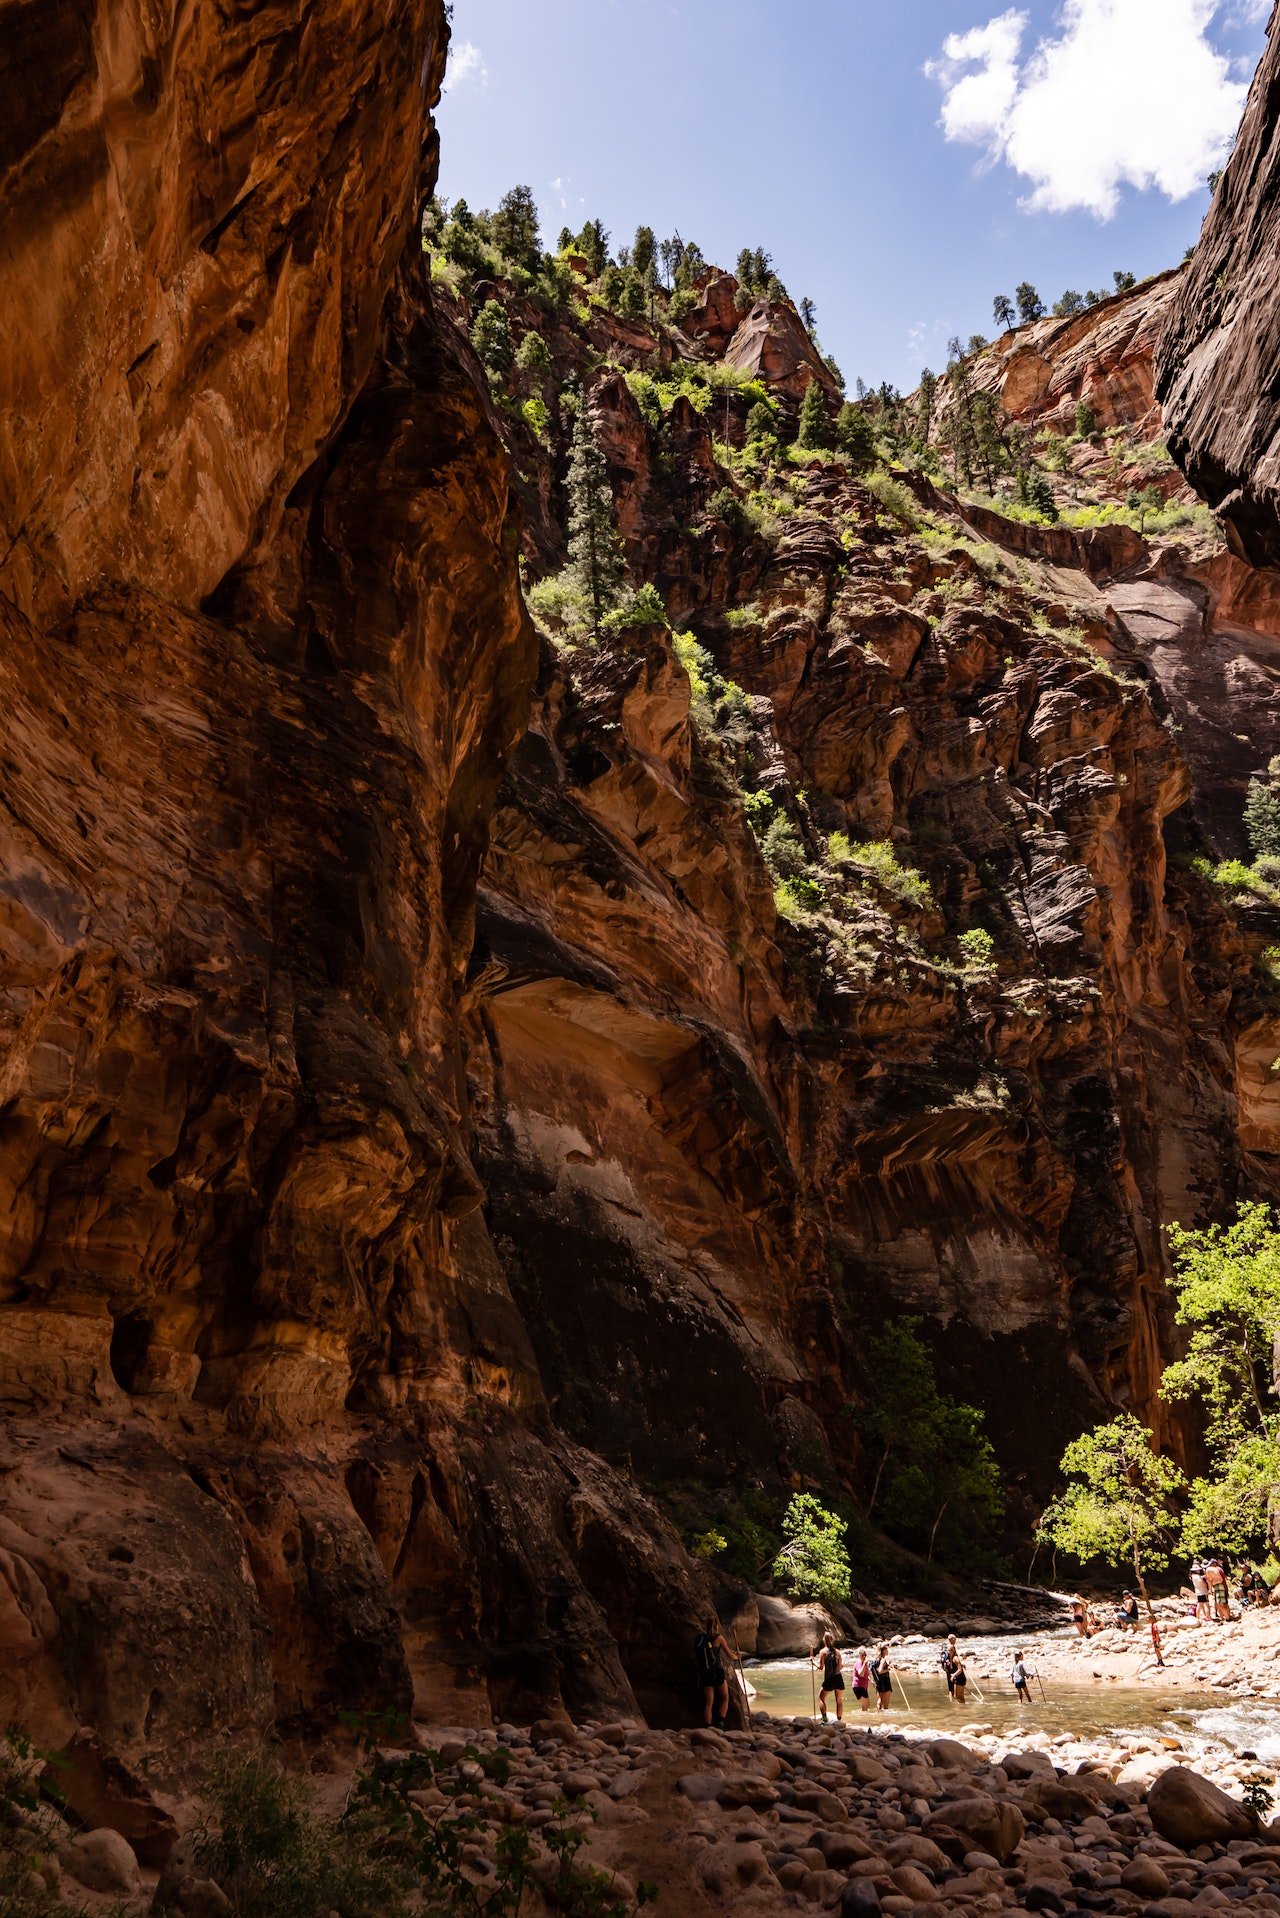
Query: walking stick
x=742 y=1683
x=813 y=1686
x=902 y=1688
x=1040 y=1683
x=977 y=1688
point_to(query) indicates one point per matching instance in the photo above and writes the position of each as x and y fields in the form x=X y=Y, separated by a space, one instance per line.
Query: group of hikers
x=713 y=1654
x=1211 y=1588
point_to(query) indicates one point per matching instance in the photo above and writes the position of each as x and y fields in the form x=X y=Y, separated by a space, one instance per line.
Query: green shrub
x=880 y=860
x=1262 y=817
x=644 y=607
x=709 y=1544
x=491 y=338
x=979 y=949
x=894 y=497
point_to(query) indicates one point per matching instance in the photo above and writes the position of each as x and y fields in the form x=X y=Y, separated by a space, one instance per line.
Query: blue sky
x=902 y=160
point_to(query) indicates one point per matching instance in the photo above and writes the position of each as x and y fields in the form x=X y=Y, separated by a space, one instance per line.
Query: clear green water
x=783 y=1687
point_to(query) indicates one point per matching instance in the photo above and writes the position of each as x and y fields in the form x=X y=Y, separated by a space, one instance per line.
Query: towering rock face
x=275 y=1441
x=1215 y=372
x=432 y=1141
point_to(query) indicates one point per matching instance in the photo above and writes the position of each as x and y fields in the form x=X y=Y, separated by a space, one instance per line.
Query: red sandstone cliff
x=424 y=1141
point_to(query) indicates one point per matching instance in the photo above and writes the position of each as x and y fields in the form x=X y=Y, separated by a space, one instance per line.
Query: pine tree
x=593 y=244
x=928 y=393
x=1002 y=308
x=491 y=337
x=594 y=554
x=815 y=421
x=855 y=435
x=1262 y=819
x=1030 y=305
x=568 y=242
x=808 y=314
x=761 y=422
x=533 y=361
x=632 y=303
x=644 y=251
x=515 y=228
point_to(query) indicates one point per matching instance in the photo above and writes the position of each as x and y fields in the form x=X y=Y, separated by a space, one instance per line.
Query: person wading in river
x=959 y=1677
x=707 y=1647
x=832 y=1675
x=860 y=1679
x=1019 y=1677
x=947 y=1662
x=883 y=1676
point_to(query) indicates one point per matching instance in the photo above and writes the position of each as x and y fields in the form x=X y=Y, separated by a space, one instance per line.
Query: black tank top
x=830 y=1668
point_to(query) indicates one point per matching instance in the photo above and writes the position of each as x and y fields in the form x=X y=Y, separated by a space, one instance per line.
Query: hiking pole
x=742 y=1679
x=813 y=1686
x=1040 y=1683
x=902 y=1688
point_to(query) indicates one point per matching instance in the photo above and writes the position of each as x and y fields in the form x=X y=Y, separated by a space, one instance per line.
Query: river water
x=1201 y=1721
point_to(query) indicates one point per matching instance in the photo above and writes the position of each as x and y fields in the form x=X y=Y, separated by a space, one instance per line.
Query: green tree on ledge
x=595 y=558
x=815 y=421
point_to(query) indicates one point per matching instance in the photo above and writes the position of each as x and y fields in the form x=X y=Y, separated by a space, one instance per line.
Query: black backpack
x=705 y=1654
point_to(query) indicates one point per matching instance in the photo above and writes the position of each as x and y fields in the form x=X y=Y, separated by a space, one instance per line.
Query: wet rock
x=992 y=1825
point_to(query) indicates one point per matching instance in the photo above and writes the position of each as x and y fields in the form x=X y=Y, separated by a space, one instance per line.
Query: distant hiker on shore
x=1216 y=1579
x=959 y=1677
x=1019 y=1678
x=828 y=1655
x=712 y=1676
x=860 y=1679
x=948 y=1661
x=1200 y=1586
x=1127 y=1616
x=1078 y=1617
x=882 y=1673
x=1155 y=1641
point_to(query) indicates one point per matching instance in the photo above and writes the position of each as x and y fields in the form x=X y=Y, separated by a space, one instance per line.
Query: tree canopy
x=1120 y=1503
x=814 y=1560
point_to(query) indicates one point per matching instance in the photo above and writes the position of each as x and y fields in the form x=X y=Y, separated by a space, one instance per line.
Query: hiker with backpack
x=712 y=1675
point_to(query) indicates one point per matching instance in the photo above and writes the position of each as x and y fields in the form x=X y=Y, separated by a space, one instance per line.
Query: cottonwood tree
x=1226 y=1280
x=1120 y=1505
x=814 y=1560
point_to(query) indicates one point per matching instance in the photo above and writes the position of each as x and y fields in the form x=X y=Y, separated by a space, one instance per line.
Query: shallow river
x=1201 y=1720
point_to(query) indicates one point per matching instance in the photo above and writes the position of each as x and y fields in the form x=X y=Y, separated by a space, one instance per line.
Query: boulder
x=731 y=1868
x=911 y=1848
x=101 y=1861
x=867 y=1771
x=700 y=1787
x=990 y=1824
x=842 y=1849
x=746 y=1790
x=1029 y=1765
x=102 y=1791
x=1187 y=1810
x=913 y=1884
x=948 y=1754
x=1146 y=1878
x=859 y=1899
x=787 y=1631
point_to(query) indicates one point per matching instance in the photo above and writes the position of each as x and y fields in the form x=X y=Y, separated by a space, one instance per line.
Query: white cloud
x=1130 y=93
x=466 y=62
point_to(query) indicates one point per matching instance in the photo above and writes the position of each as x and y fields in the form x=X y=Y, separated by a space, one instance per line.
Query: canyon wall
x=436 y=1149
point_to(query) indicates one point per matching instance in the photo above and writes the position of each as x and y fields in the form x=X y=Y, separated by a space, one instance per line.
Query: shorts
x=713 y=1678
x=859 y=1691
x=884 y=1684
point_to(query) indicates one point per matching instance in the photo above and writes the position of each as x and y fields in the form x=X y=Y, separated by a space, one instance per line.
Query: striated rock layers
x=425 y=1140
x=275 y=1443
x=1215 y=372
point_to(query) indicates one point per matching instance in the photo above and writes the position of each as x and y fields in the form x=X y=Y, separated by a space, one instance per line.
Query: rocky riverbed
x=863 y=1819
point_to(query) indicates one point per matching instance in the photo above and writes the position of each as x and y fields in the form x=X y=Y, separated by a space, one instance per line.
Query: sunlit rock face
x=425 y=1140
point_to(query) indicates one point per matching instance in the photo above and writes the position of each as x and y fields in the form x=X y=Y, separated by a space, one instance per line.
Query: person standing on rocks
x=1216 y=1579
x=828 y=1654
x=860 y=1679
x=882 y=1673
x=1078 y=1616
x=1200 y=1586
x=712 y=1676
x=1019 y=1677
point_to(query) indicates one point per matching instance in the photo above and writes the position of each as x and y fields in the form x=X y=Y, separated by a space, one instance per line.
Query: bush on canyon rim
x=814 y=1560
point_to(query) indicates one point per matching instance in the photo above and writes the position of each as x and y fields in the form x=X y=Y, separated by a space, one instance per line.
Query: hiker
x=713 y=1678
x=860 y=1679
x=832 y=1675
x=1200 y=1586
x=948 y=1660
x=1216 y=1579
x=1127 y=1616
x=1019 y=1677
x=1155 y=1640
x=959 y=1677
x=882 y=1673
x=1077 y=1616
